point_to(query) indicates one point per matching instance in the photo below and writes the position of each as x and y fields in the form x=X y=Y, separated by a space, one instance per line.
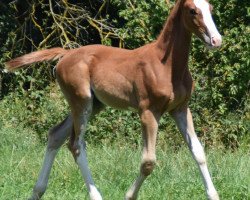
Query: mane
x=175 y=11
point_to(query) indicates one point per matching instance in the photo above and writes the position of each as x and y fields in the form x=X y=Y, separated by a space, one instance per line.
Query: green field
x=114 y=168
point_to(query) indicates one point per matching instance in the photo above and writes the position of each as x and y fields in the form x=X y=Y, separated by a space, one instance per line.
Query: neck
x=174 y=41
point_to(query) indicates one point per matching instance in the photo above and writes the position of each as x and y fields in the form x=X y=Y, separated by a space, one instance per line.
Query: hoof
x=130 y=196
x=95 y=195
x=213 y=196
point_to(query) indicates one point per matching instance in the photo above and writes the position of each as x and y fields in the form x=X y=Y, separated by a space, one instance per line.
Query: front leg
x=184 y=121
x=149 y=122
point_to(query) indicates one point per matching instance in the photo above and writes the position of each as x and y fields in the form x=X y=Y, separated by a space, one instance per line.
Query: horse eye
x=193 y=12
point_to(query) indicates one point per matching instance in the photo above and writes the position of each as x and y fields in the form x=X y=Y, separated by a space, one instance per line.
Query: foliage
x=41 y=109
x=142 y=20
x=32 y=25
x=220 y=103
x=223 y=75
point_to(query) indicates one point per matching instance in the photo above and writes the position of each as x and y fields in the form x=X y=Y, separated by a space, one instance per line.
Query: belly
x=113 y=99
x=115 y=92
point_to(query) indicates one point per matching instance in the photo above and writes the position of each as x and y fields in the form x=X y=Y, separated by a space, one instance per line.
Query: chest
x=165 y=94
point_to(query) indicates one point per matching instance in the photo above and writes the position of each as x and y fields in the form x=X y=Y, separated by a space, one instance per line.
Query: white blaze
x=213 y=34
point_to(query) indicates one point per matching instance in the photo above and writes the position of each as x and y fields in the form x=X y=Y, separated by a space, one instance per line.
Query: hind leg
x=74 y=81
x=57 y=136
x=81 y=113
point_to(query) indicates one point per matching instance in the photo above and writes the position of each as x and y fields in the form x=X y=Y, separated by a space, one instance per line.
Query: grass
x=114 y=168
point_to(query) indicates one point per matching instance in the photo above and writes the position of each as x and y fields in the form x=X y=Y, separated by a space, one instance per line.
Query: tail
x=34 y=57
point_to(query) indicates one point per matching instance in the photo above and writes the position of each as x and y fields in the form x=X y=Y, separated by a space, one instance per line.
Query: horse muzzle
x=213 y=41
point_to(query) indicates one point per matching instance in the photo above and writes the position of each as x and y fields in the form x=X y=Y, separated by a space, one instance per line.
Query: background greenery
x=31 y=102
x=175 y=177
x=220 y=103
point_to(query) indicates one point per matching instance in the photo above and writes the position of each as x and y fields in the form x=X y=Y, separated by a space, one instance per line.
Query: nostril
x=215 y=41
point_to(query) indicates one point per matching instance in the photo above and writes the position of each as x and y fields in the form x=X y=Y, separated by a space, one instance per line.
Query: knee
x=200 y=159
x=147 y=167
x=74 y=149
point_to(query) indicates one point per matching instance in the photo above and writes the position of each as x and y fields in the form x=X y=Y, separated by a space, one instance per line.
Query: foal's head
x=197 y=18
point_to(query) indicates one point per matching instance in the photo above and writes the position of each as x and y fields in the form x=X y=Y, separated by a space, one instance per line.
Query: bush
x=40 y=109
x=220 y=103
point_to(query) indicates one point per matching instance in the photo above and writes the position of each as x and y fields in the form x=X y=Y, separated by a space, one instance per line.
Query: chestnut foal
x=152 y=79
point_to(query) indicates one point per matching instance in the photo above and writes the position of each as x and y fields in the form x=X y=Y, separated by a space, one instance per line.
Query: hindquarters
x=74 y=79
